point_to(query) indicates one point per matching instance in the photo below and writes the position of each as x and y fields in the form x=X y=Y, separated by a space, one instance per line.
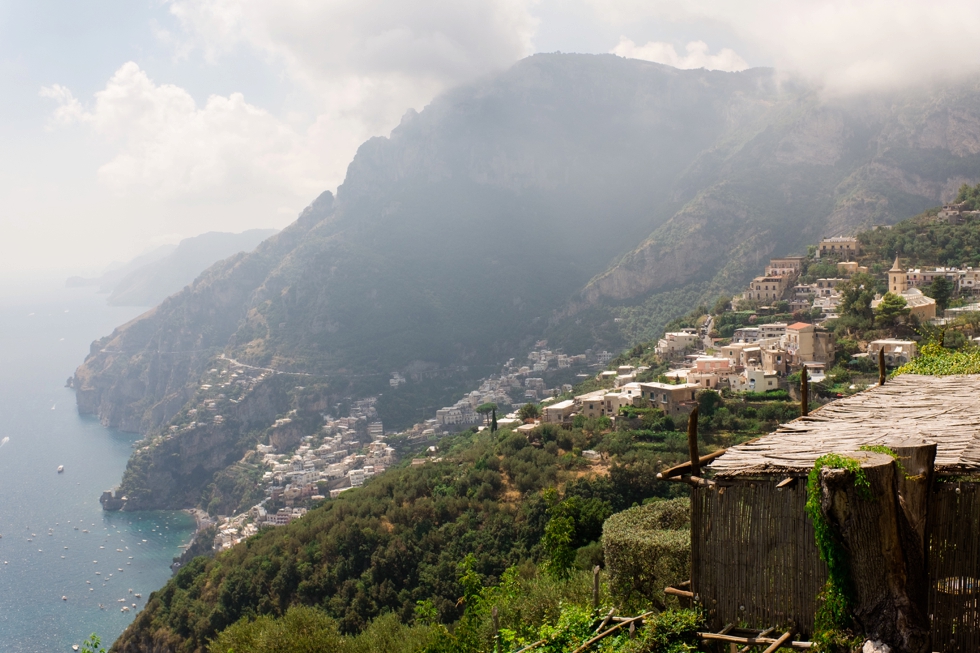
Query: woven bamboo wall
x=755 y=563
x=754 y=559
x=954 y=568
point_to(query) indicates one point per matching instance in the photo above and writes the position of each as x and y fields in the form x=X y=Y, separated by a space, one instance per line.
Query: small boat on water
x=74 y=647
x=61 y=468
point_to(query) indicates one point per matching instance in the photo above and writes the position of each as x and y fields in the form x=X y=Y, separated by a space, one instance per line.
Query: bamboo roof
x=940 y=409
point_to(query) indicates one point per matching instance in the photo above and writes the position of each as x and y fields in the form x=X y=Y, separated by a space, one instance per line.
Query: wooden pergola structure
x=915 y=547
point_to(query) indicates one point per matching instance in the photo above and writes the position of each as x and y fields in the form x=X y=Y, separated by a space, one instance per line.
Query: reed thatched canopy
x=940 y=409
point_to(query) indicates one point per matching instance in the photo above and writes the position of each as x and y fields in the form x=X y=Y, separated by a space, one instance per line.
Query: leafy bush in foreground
x=939 y=361
x=648 y=548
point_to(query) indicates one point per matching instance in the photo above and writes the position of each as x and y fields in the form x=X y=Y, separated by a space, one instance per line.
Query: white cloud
x=356 y=67
x=697 y=55
x=849 y=45
x=170 y=147
x=373 y=58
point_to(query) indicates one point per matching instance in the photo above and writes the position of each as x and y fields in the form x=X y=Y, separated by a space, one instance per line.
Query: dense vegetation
x=937 y=360
x=969 y=196
x=495 y=501
x=923 y=241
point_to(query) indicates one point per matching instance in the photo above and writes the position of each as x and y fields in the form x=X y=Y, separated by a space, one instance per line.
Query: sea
x=67 y=568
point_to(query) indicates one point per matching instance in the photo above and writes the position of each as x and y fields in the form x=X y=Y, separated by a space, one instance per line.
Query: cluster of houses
x=334 y=460
x=955 y=213
x=675 y=399
x=822 y=298
x=516 y=385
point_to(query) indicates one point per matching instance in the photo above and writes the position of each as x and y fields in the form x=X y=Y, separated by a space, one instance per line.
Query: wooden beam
x=693 y=481
x=677 y=470
x=764 y=641
x=764 y=633
x=595 y=639
x=673 y=591
x=786 y=482
x=608 y=618
x=779 y=642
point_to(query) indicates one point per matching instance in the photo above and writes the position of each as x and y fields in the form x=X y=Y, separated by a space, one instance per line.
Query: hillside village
x=757 y=342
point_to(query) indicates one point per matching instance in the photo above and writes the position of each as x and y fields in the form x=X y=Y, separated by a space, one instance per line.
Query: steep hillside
x=402 y=539
x=450 y=243
x=586 y=198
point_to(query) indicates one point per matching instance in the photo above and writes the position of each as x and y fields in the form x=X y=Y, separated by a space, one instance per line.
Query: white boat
x=74 y=647
x=61 y=468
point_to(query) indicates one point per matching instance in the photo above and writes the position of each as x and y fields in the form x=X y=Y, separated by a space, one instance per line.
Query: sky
x=127 y=124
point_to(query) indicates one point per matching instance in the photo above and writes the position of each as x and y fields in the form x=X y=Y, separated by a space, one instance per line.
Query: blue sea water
x=56 y=540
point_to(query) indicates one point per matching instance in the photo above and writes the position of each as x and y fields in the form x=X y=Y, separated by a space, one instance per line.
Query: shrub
x=647 y=548
x=768 y=395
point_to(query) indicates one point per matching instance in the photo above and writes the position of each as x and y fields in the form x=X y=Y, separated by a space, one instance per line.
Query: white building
x=356 y=477
x=897 y=352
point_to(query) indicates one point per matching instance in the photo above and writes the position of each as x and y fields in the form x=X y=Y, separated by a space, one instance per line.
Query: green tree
x=721 y=304
x=970 y=195
x=856 y=295
x=302 y=629
x=557 y=544
x=891 y=308
x=493 y=421
x=92 y=645
x=941 y=289
x=485 y=410
x=529 y=411
x=708 y=402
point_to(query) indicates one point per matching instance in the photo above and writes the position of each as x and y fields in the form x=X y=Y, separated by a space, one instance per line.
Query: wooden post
x=881 y=366
x=595 y=587
x=888 y=577
x=496 y=629
x=804 y=392
x=692 y=442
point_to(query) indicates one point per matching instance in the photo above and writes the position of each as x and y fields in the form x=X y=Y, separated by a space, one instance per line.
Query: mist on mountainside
x=150 y=278
x=587 y=199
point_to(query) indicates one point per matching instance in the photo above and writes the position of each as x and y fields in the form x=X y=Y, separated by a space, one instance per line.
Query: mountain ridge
x=542 y=202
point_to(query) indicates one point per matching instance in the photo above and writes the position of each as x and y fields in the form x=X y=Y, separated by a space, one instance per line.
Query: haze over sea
x=45 y=332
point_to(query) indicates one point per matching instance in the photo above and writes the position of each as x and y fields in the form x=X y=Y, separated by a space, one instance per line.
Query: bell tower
x=897 y=279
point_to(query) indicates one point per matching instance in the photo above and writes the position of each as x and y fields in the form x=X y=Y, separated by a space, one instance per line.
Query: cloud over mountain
x=848 y=46
x=698 y=55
